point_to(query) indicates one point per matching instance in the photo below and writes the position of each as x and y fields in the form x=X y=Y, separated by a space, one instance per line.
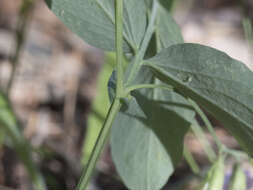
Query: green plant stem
x=191 y=161
x=199 y=133
x=139 y=86
x=222 y=148
x=207 y=123
x=140 y=55
x=115 y=107
x=86 y=175
x=119 y=47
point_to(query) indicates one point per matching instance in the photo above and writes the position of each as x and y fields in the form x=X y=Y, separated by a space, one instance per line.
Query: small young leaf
x=222 y=85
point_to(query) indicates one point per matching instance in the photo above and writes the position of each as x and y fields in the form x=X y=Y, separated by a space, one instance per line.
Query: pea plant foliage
x=151 y=98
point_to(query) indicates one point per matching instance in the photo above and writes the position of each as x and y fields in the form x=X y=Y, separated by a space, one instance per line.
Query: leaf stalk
x=207 y=123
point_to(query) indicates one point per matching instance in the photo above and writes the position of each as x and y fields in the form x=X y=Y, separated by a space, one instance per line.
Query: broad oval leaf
x=94 y=20
x=146 y=148
x=147 y=135
x=140 y=159
x=220 y=84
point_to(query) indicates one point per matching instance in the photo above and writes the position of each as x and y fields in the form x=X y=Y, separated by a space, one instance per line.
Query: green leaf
x=167 y=4
x=145 y=150
x=220 y=84
x=167 y=33
x=140 y=159
x=93 y=20
x=167 y=30
x=147 y=135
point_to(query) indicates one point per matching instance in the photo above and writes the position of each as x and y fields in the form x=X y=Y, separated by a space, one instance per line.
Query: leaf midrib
x=203 y=96
x=219 y=78
x=199 y=73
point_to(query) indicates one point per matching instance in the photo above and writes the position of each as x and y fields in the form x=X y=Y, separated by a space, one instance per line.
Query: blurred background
x=58 y=89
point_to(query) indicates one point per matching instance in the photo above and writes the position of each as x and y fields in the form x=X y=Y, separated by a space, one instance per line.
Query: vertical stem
x=84 y=180
x=119 y=46
x=116 y=103
x=207 y=123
